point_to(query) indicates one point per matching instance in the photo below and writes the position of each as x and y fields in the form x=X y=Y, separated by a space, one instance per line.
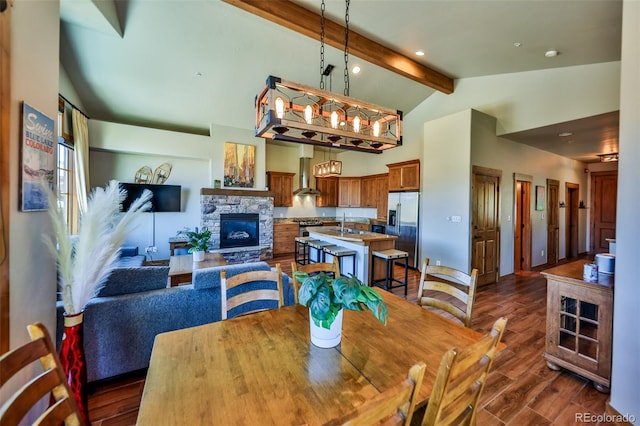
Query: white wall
x=626 y=321
x=502 y=154
x=34 y=79
x=155 y=229
x=446 y=188
x=119 y=150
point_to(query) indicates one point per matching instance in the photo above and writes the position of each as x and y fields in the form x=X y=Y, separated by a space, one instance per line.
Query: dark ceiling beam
x=304 y=21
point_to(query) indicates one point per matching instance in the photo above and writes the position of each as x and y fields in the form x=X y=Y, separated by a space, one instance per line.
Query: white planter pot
x=198 y=256
x=326 y=338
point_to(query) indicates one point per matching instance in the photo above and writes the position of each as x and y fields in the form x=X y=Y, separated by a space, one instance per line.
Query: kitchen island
x=362 y=242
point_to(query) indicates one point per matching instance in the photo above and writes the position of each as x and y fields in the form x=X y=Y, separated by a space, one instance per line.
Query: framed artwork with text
x=37 y=159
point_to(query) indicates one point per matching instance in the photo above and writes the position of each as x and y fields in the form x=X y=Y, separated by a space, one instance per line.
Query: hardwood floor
x=520 y=390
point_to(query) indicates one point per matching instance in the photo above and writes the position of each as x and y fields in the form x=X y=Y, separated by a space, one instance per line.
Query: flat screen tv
x=166 y=198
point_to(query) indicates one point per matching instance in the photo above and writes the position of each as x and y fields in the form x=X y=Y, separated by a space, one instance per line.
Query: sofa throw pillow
x=134 y=280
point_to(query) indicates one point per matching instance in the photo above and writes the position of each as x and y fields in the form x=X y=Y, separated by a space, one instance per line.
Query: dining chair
x=449 y=290
x=460 y=380
x=52 y=380
x=312 y=269
x=255 y=292
x=394 y=406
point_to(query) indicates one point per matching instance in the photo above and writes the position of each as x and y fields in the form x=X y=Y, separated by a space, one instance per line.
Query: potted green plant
x=198 y=241
x=326 y=298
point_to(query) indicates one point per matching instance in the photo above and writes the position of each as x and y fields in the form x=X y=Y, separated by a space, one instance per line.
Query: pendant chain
x=322 y=46
x=346 y=48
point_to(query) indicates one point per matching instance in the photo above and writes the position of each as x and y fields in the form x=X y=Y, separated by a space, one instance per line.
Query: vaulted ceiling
x=184 y=65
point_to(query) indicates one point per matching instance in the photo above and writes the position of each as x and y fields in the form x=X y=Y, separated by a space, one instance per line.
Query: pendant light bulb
x=376 y=129
x=308 y=114
x=334 y=120
x=356 y=124
x=279 y=107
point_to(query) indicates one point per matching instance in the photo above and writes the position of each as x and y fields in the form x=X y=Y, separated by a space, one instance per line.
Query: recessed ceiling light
x=419 y=53
x=355 y=69
x=517 y=44
x=565 y=134
x=551 y=53
x=198 y=74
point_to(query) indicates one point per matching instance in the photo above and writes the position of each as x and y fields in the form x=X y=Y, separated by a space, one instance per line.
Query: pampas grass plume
x=85 y=263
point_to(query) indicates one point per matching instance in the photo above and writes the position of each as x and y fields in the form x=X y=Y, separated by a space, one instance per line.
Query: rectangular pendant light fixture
x=293 y=112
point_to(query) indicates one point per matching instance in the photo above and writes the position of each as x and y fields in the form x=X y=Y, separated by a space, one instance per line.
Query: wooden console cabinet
x=579 y=323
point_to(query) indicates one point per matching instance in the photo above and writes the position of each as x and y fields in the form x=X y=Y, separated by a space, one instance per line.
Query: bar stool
x=301 y=243
x=390 y=256
x=340 y=252
x=318 y=246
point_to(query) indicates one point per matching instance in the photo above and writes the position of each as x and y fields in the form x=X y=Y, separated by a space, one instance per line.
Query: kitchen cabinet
x=328 y=188
x=284 y=235
x=281 y=184
x=381 y=194
x=375 y=192
x=368 y=196
x=579 y=323
x=404 y=176
x=349 y=192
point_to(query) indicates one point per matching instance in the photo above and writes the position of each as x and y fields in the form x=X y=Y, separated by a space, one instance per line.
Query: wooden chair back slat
x=229 y=303
x=51 y=380
x=460 y=380
x=441 y=286
x=395 y=406
x=313 y=268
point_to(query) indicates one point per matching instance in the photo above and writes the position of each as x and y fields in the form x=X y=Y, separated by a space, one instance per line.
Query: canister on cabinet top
x=606 y=263
x=590 y=273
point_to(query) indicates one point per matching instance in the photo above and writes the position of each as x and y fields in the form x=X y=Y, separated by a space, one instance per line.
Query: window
x=66 y=171
x=67 y=187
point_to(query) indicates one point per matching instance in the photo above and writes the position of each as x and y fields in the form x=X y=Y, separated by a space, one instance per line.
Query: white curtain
x=81 y=157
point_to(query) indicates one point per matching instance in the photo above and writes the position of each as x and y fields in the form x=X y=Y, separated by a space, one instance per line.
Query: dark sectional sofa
x=122 y=320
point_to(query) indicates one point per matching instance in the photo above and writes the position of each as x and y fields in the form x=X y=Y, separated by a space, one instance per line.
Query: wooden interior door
x=553 y=226
x=522 y=231
x=604 y=190
x=485 y=224
x=572 y=209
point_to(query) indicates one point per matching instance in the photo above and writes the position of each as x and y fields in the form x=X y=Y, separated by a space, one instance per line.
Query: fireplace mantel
x=236 y=192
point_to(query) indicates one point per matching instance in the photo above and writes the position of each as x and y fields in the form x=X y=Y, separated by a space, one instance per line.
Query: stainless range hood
x=304 y=176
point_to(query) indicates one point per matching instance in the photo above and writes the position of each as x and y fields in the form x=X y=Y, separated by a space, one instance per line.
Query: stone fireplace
x=239 y=230
x=231 y=208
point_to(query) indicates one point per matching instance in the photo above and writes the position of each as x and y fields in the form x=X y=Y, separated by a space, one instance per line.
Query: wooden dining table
x=263 y=369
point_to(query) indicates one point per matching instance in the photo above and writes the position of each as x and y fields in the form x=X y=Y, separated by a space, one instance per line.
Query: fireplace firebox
x=239 y=230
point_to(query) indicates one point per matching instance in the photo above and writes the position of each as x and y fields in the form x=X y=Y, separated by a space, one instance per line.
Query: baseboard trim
x=615 y=417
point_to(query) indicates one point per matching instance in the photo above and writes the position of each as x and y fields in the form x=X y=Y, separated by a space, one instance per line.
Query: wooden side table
x=177 y=242
x=579 y=323
x=181 y=267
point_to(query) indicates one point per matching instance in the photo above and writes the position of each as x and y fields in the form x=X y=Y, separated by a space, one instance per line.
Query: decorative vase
x=326 y=338
x=198 y=256
x=73 y=361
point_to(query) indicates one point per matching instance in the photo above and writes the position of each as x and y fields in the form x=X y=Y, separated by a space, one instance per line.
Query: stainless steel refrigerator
x=402 y=220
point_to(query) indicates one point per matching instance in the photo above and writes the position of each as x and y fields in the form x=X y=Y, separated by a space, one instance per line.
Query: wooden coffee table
x=181 y=267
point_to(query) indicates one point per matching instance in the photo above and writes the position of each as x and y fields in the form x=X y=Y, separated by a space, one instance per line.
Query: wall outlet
x=542 y=253
x=437 y=263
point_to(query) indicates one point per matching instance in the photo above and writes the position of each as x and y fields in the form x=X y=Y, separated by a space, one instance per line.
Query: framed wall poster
x=37 y=159
x=540 y=197
x=239 y=165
